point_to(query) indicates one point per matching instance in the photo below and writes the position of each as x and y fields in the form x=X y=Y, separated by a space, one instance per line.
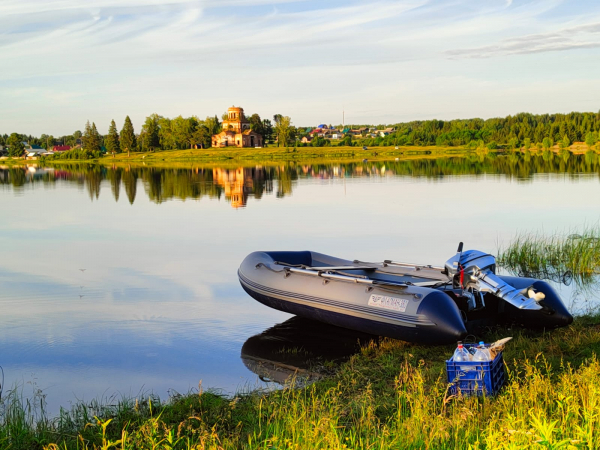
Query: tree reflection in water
x=237 y=184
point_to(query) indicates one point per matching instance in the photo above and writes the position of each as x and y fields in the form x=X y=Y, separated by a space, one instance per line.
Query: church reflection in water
x=238 y=184
x=299 y=350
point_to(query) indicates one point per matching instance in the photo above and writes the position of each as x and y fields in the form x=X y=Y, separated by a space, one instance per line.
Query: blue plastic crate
x=485 y=377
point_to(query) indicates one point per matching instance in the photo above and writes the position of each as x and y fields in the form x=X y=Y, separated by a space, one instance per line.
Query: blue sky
x=67 y=61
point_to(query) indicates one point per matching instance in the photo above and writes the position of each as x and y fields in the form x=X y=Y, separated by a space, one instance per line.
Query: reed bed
x=390 y=395
x=558 y=257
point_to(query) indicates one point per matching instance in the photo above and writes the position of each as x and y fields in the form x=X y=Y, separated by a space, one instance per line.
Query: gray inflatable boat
x=411 y=302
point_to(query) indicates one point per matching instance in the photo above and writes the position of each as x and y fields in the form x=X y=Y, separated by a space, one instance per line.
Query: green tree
x=112 y=139
x=15 y=145
x=97 y=137
x=128 y=142
x=149 y=136
x=527 y=143
x=283 y=129
x=92 y=140
x=268 y=131
x=165 y=134
x=547 y=143
x=183 y=130
x=202 y=137
x=213 y=125
x=565 y=142
x=48 y=142
x=256 y=124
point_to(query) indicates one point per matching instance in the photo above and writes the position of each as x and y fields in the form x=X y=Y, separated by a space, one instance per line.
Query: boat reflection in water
x=298 y=350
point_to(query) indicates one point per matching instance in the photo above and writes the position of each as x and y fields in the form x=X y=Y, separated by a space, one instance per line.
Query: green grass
x=269 y=153
x=390 y=395
x=558 y=257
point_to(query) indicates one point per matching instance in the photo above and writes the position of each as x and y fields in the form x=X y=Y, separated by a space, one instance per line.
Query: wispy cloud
x=573 y=38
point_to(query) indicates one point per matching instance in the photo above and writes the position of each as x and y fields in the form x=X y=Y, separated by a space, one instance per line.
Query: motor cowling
x=464 y=260
x=477 y=270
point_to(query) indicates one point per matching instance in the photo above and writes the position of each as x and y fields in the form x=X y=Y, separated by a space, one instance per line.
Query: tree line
x=520 y=130
x=162 y=133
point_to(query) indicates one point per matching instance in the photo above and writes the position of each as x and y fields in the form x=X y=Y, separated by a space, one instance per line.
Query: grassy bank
x=390 y=395
x=248 y=156
x=274 y=155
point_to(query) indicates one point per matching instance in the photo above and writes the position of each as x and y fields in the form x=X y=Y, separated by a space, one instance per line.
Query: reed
x=558 y=257
x=391 y=395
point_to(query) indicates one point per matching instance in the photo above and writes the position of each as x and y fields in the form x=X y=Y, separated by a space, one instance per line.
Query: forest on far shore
x=162 y=133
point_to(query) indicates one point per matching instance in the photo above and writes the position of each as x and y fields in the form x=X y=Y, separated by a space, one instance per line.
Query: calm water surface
x=116 y=281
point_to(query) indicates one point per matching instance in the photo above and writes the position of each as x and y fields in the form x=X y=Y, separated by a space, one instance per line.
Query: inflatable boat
x=411 y=302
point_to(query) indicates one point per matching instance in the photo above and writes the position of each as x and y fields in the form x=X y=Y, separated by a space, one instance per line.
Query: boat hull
x=412 y=314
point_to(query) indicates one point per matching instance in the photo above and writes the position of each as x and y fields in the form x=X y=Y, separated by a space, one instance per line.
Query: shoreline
x=391 y=394
x=273 y=155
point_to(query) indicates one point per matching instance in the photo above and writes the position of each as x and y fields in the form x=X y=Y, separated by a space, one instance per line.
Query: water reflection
x=242 y=182
x=159 y=305
x=238 y=184
x=299 y=349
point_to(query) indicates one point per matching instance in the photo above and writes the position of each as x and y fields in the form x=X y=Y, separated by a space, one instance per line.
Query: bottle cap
x=481 y=343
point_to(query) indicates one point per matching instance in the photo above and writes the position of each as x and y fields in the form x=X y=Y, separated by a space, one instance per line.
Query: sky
x=68 y=61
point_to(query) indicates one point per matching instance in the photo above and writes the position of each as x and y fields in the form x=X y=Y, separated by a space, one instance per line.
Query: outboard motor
x=477 y=270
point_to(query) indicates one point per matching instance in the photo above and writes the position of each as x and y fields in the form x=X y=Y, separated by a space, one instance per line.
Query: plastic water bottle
x=482 y=353
x=461 y=354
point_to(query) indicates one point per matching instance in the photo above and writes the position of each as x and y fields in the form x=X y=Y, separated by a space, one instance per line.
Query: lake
x=122 y=280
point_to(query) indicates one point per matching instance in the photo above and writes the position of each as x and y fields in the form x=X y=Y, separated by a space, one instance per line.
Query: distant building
x=236 y=131
x=387 y=131
x=31 y=146
x=307 y=139
x=61 y=148
x=359 y=131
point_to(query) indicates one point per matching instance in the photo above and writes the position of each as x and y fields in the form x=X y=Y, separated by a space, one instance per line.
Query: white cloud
x=585 y=36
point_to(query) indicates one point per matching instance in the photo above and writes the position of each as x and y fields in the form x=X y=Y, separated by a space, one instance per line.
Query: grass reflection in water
x=574 y=255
